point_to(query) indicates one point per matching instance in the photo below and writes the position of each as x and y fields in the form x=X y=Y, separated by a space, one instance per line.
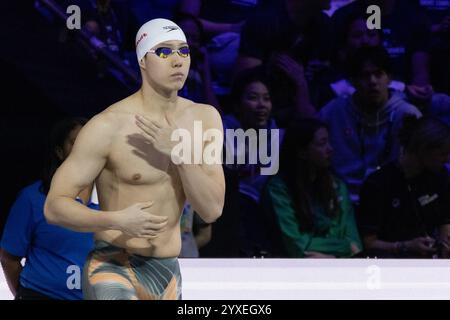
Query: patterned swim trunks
x=111 y=273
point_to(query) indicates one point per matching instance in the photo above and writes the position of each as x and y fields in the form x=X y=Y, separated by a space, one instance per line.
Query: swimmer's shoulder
x=125 y=106
x=106 y=121
x=105 y=124
x=116 y=115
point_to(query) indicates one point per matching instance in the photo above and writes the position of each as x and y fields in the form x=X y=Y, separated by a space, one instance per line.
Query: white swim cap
x=156 y=31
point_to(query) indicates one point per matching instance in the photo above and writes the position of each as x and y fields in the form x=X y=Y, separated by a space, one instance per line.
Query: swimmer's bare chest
x=136 y=172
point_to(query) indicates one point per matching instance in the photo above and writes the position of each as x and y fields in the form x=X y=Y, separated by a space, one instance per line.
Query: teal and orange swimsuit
x=111 y=273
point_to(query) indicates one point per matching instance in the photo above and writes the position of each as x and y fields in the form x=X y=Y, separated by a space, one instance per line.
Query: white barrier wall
x=292 y=279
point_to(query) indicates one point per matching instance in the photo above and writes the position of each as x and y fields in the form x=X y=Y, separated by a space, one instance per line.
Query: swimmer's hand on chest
x=158 y=133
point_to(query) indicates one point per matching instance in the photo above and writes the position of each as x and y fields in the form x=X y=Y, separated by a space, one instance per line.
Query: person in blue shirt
x=54 y=256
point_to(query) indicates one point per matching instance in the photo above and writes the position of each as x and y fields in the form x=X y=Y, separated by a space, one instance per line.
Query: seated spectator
x=405 y=36
x=439 y=14
x=195 y=233
x=431 y=104
x=297 y=27
x=312 y=207
x=222 y=33
x=405 y=206
x=52 y=253
x=252 y=104
x=293 y=41
x=355 y=35
x=363 y=127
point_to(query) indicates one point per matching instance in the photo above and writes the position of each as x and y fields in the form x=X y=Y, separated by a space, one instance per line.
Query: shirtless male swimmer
x=126 y=150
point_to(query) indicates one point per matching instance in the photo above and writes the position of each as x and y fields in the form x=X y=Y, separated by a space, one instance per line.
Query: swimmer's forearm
x=69 y=213
x=204 y=194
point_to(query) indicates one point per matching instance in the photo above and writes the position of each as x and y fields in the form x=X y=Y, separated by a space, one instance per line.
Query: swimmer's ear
x=142 y=62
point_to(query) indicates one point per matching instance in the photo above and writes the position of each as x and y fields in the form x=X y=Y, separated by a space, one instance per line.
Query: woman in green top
x=310 y=206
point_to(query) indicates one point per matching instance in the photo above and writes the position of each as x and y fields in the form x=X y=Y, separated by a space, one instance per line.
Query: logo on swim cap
x=140 y=38
x=171 y=28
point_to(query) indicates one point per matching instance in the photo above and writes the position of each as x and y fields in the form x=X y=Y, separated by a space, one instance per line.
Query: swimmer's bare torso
x=135 y=172
x=130 y=170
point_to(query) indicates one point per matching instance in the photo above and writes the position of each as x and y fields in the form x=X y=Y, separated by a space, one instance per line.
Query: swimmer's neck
x=156 y=100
